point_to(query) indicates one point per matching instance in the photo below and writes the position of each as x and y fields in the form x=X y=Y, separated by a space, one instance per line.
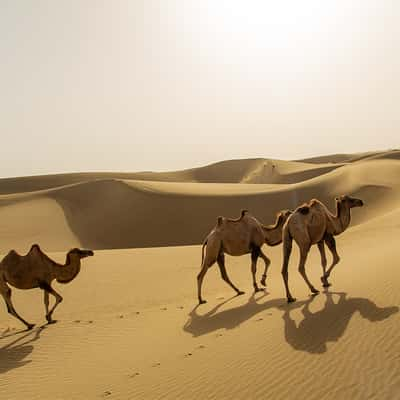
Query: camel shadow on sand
x=13 y=355
x=310 y=335
x=329 y=324
x=201 y=324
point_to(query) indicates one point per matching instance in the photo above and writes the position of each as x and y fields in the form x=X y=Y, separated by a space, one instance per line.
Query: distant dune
x=129 y=326
x=110 y=211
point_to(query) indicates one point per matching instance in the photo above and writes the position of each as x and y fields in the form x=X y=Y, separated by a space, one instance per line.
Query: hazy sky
x=170 y=84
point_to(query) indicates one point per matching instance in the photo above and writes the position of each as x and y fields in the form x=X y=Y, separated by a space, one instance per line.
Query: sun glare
x=280 y=38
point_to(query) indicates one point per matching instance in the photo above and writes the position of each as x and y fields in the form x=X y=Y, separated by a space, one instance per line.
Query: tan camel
x=312 y=223
x=36 y=270
x=237 y=237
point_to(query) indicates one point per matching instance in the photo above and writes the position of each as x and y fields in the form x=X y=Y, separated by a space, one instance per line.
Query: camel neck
x=273 y=233
x=66 y=273
x=342 y=218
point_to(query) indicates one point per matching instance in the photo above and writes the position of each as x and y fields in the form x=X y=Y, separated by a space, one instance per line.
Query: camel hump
x=35 y=247
x=304 y=209
x=242 y=214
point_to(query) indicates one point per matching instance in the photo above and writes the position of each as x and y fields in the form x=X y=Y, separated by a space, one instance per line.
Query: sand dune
x=115 y=213
x=129 y=326
x=348 y=158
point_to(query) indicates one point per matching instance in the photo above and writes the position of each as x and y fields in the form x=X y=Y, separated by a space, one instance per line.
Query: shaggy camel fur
x=237 y=237
x=310 y=224
x=36 y=270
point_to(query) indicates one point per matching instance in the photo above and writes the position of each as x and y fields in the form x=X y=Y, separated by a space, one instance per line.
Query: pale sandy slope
x=129 y=329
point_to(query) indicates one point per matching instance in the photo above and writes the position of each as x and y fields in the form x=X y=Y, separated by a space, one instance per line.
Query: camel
x=37 y=270
x=237 y=237
x=312 y=223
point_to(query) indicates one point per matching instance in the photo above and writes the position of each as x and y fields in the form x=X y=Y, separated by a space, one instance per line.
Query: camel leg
x=207 y=263
x=321 y=249
x=224 y=274
x=49 y=290
x=304 y=249
x=331 y=243
x=5 y=291
x=254 y=257
x=287 y=249
x=267 y=262
x=46 y=301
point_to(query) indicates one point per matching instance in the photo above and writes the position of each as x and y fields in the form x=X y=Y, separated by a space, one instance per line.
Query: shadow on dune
x=316 y=329
x=311 y=334
x=13 y=355
x=198 y=324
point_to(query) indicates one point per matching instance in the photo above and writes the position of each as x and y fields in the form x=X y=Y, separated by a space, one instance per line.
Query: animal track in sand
x=106 y=393
x=134 y=375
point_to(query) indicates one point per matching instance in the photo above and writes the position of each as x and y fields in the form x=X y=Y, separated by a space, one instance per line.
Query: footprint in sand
x=120 y=316
x=137 y=312
x=218 y=335
x=157 y=364
x=77 y=321
x=259 y=319
x=201 y=346
x=164 y=309
x=106 y=393
x=188 y=354
x=180 y=307
x=90 y=322
x=134 y=375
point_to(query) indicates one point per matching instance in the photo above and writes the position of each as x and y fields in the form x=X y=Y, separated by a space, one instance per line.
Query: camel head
x=80 y=253
x=350 y=202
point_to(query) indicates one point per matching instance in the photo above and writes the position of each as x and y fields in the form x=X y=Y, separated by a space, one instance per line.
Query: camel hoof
x=291 y=300
x=51 y=321
x=314 y=293
x=263 y=282
x=325 y=282
x=29 y=327
x=239 y=293
x=258 y=290
x=202 y=301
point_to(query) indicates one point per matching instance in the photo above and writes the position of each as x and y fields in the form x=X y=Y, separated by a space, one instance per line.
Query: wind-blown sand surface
x=129 y=327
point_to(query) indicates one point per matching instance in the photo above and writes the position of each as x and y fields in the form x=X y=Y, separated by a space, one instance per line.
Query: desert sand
x=130 y=327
